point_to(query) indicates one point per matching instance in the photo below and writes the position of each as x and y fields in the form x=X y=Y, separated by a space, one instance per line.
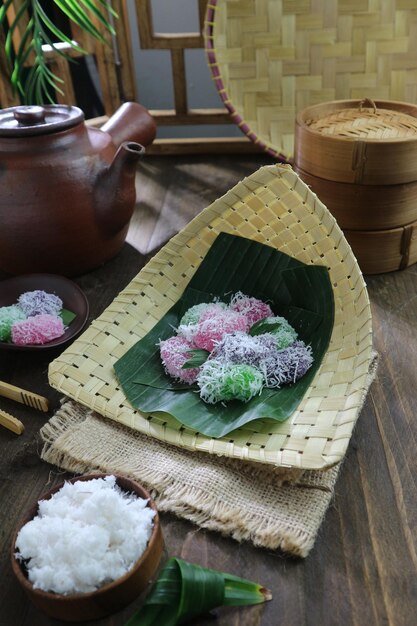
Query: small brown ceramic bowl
x=72 y=296
x=109 y=598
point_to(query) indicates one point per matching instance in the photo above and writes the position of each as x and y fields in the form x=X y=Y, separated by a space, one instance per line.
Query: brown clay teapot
x=67 y=191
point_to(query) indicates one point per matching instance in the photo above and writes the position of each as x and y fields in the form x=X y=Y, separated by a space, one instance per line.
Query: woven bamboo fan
x=272 y=206
x=272 y=59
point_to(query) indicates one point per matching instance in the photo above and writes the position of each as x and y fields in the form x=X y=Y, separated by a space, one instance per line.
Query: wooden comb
x=23 y=396
x=11 y=422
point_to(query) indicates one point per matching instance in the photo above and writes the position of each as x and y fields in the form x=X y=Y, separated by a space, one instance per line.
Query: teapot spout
x=115 y=192
x=132 y=122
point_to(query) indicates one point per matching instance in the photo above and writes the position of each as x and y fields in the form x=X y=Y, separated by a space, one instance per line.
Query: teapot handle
x=131 y=122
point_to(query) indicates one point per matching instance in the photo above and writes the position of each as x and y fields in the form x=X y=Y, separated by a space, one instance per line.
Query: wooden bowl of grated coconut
x=88 y=547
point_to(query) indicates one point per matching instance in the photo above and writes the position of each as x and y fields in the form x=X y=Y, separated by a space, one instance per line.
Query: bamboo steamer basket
x=360 y=158
x=379 y=251
x=358 y=141
x=365 y=207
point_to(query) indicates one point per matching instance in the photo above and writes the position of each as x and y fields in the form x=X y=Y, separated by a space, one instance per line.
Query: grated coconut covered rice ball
x=284 y=334
x=8 y=316
x=220 y=381
x=252 y=308
x=188 y=323
x=239 y=347
x=194 y=313
x=239 y=364
x=39 y=302
x=37 y=330
x=86 y=535
x=173 y=356
x=212 y=329
x=288 y=365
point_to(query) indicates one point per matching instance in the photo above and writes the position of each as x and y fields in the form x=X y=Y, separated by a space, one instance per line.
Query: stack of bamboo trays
x=360 y=158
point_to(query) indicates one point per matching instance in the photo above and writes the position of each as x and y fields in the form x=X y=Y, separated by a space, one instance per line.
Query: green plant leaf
x=262 y=326
x=198 y=357
x=3 y=10
x=184 y=591
x=8 y=46
x=301 y=293
x=58 y=34
x=95 y=11
x=40 y=83
x=75 y=12
x=67 y=316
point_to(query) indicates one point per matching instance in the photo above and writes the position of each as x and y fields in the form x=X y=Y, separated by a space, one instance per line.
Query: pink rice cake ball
x=193 y=314
x=38 y=329
x=212 y=329
x=190 y=319
x=173 y=353
x=252 y=308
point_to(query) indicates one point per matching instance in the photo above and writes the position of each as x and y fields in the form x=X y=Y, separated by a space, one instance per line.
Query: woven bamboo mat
x=272 y=58
x=272 y=206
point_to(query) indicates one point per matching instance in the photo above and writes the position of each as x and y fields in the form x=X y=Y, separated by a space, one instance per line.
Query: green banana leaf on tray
x=301 y=293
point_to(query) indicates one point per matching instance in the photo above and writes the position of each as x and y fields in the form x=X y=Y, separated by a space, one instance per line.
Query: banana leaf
x=184 y=591
x=301 y=293
x=67 y=316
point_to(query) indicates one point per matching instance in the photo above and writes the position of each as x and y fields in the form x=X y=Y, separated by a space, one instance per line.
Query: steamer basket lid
x=367 y=119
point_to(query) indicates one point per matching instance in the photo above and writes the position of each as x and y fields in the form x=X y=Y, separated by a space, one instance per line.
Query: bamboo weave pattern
x=272 y=58
x=380 y=124
x=272 y=206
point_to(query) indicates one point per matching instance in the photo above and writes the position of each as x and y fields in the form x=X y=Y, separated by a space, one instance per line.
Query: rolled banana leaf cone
x=184 y=591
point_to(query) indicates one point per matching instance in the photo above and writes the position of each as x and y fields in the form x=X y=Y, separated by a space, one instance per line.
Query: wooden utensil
x=10 y=422
x=24 y=396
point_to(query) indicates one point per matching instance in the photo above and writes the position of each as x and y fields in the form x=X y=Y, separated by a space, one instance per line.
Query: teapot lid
x=22 y=121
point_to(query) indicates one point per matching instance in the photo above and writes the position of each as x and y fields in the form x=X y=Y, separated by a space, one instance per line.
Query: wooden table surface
x=363 y=568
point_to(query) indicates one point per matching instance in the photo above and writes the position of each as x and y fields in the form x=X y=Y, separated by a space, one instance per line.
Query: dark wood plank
x=363 y=568
x=171 y=190
x=23 y=476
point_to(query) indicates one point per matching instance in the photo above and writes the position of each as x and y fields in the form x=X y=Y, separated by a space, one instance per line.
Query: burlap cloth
x=245 y=501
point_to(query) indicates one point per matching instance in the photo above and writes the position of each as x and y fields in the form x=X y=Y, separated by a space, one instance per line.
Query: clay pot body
x=66 y=197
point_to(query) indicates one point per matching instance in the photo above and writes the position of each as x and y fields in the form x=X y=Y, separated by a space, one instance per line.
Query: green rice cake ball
x=282 y=331
x=8 y=316
x=220 y=381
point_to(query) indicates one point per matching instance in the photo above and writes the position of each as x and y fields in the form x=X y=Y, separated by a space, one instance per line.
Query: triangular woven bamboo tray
x=272 y=206
x=271 y=59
